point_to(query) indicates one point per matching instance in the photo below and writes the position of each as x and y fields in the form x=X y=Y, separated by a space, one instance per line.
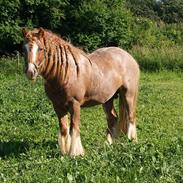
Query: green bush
x=9 y=25
x=168 y=11
x=174 y=32
x=90 y=24
x=15 y=14
x=151 y=34
x=144 y=8
x=94 y=24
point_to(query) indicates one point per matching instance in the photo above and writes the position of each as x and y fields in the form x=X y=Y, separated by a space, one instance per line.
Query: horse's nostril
x=30 y=74
x=31 y=71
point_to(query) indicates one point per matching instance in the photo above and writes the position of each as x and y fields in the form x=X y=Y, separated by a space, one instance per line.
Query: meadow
x=28 y=135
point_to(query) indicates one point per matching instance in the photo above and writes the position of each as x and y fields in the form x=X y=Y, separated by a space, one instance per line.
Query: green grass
x=28 y=135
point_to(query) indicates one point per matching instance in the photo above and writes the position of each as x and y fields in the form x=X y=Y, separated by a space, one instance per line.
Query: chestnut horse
x=74 y=79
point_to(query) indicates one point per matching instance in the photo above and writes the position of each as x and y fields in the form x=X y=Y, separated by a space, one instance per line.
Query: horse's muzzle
x=31 y=72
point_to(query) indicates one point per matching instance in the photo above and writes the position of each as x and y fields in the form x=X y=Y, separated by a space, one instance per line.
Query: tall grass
x=156 y=59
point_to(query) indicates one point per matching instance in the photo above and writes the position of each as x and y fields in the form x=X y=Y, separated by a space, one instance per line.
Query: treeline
x=168 y=11
x=95 y=23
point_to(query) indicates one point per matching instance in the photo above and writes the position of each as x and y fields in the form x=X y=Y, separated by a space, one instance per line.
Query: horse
x=75 y=79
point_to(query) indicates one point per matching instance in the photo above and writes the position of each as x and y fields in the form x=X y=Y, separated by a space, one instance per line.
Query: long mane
x=62 y=56
x=56 y=38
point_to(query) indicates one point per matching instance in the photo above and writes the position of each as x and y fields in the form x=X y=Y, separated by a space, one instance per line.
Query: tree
x=171 y=11
x=94 y=24
x=90 y=24
x=144 y=8
x=15 y=14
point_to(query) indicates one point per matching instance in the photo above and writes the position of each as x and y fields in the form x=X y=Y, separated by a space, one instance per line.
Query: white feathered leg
x=76 y=147
x=64 y=142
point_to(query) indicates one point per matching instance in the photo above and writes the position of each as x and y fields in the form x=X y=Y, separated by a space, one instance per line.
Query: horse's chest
x=57 y=96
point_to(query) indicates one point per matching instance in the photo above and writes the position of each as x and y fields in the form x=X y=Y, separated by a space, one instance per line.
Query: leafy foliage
x=94 y=24
x=169 y=11
x=9 y=24
x=90 y=24
x=174 y=32
x=31 y=13
x=150 y=34
x=144 y=8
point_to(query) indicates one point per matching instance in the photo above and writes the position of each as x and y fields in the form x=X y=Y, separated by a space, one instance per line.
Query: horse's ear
x=41 y=32
x=24 y=31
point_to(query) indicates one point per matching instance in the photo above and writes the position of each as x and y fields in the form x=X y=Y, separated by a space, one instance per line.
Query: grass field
x=28 y=135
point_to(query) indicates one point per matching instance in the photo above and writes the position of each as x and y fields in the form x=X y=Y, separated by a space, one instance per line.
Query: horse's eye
x=40 y=48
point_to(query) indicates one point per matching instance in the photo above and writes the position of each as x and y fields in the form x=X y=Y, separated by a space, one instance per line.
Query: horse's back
x=112 y=55
x=112 y=68
x=114 y=58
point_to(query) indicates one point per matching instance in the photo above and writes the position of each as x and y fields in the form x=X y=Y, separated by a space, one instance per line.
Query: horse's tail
x=123 y=114
x=136 y=94
x=124 y=110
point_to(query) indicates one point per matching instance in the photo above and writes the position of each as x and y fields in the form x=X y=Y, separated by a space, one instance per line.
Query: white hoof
x=109 y=139
x=111 y=136
x=132 y=133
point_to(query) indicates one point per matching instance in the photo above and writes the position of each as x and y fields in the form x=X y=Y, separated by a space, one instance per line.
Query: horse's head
x=34 y=52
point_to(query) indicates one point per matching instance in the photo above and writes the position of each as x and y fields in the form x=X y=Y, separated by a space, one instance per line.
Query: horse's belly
x=100 y=98
x=108 y=89
x=90 y=103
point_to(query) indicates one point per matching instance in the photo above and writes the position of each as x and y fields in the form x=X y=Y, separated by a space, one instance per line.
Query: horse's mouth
x=32 y=78
x=31 y=72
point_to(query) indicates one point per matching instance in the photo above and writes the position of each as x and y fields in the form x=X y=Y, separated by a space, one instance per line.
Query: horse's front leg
x=76 y=148
x=64 y=139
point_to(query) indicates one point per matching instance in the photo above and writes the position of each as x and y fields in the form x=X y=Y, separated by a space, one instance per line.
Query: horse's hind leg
x=128 y=113
x=130 y=96
x=111 y=120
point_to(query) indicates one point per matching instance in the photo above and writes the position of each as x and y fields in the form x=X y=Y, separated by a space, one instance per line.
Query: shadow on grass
x=13 y=148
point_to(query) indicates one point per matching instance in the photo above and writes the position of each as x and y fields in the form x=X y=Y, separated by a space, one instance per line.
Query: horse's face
x=34 y=52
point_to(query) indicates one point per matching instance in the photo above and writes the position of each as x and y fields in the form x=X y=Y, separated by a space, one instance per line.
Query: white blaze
x=31 y=69
x=34 y=52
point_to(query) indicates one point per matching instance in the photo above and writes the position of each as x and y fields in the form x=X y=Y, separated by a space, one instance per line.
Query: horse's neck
x=60 y=67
